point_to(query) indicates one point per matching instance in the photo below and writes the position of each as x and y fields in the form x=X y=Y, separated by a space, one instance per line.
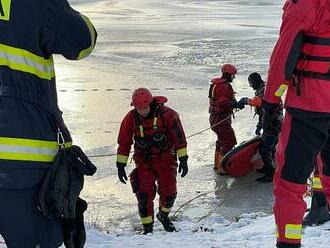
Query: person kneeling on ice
x=270 y=137
x=159 y=139
x=222 y=103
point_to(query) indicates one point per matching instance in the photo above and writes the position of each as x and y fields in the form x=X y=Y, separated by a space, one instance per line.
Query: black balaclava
x=255 y=80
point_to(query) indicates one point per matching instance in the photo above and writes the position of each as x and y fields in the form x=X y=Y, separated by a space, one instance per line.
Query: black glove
x=121 y=172
x=183 y=166
x=270 y=115
x=242 y=102
x=258 y=130
x=74 y=234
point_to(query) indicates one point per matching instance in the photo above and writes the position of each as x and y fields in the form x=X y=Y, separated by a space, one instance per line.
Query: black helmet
x=255 y=80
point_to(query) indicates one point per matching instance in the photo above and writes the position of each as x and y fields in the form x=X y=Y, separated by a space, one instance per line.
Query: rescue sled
x=243 y=159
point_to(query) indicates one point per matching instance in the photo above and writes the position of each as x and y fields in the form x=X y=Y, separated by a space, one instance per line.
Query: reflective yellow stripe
x=147 y=220
x=277 y=233
x=280 y=91
x=22 y=60
x=28 y=142
x=5 y=10
x=182 y=152
x=293 y=231
x=27 y=157
x=316 y=183
x=122 y=159
x=213 y=91
x=155 y=123
x=141 y=131
x=165 y=210
x=28 y=149
x=84 y=53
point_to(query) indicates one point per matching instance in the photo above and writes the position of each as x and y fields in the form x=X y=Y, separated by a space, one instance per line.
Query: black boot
x=261 y=170
x=287 y=245
x=269 y=174
x=268 y=168
x=319 y=212
x=148 y=228
x=166 y=222
x=265 y=179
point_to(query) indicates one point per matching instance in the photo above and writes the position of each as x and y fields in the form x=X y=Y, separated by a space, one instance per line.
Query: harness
x=214 y=108
x=158 y=142
x=315 y=66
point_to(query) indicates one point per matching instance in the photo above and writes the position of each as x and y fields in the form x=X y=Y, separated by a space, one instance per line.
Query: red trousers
x=157 y=175
x=304 y=135
x=221 y=125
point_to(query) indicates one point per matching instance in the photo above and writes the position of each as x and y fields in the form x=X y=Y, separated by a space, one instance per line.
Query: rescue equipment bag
x=243 y=159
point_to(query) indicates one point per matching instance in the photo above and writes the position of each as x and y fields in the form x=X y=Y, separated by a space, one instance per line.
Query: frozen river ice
x=173 y=47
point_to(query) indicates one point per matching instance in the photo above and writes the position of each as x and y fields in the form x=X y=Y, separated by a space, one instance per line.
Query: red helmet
x=141 y=98
x=228 y=68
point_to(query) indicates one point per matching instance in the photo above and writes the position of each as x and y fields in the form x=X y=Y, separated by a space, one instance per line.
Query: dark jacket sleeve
x=67 y=32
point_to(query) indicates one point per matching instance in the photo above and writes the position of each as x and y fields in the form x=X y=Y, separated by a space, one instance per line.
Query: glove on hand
x=242 y=102
x=258 y=130
x=121 y=172
x=183 y=166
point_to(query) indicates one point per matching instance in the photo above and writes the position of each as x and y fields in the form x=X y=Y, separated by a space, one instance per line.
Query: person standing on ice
x=31 y=31
x=159 y=140
x=300 y=64
x=270 y=137
x=222 y=103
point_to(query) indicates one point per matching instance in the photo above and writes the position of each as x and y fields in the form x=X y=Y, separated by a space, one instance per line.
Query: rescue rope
x=192 y=135
x=194 y=198
x=216 y=124
x=189 y=201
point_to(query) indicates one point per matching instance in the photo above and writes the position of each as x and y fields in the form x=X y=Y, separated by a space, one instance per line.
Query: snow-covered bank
x=251 y=231
x=254 y=230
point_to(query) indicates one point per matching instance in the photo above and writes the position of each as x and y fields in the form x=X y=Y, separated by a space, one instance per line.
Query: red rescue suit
x=222 y=104
x=158 y=140
x=300 y=62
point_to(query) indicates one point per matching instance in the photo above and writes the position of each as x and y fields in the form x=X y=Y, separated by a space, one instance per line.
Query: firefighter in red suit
x=221 y=106
x=300 y=63
x=159 y=140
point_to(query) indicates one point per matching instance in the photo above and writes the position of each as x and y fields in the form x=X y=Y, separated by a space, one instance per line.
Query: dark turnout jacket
x=31 y=32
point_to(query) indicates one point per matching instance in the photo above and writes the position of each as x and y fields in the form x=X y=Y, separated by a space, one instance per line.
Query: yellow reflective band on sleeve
x=141 y=131
x=276 y=230
x=316 y=183
x=146 y=220
x=281 y=90
x=25 y=61
x=293 y=231
x=28 y=149
x=5 y=10
x=165 y=210
x=213 y=91
x=154 y=125
x=84 y=53
x=182 y=152
x=122 y=159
